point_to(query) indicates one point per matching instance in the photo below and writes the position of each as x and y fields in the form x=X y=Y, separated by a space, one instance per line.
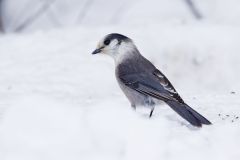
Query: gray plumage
x=142 y=83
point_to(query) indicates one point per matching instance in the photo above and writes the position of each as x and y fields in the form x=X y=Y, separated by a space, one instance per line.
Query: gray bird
x=142 y=83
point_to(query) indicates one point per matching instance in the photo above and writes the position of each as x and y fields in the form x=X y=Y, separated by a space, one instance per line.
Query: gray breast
x=131 y=66
x=135 y=98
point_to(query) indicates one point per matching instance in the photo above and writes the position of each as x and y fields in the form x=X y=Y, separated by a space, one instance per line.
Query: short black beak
x=97 y=51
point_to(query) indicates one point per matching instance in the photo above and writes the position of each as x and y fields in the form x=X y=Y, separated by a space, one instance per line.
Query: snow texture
x=57 y=101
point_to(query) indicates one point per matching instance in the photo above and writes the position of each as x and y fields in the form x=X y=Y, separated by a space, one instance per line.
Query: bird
x=141 y=82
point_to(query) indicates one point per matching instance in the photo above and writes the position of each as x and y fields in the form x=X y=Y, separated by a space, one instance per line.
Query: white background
x=57 y=101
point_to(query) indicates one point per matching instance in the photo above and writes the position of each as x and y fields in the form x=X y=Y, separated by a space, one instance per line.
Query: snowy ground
x=57 y=101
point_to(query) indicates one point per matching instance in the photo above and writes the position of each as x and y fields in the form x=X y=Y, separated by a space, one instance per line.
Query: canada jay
x=142 y=83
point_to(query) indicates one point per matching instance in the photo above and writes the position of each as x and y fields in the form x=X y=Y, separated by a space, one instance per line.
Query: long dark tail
x=188 y=113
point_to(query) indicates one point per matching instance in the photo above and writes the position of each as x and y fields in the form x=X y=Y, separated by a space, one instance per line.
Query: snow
x=36 y=127
x=60 y=102
x=57 y=101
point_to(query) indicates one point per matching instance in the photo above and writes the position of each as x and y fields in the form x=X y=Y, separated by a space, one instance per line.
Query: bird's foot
x=133 y=107
x=151 y=112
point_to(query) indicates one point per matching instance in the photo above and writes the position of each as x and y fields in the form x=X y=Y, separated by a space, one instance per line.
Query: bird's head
x=117 y=46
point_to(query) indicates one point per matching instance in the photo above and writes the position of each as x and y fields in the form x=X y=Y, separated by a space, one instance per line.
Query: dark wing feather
x=167 y=85
x=149 y=84
x=153 y=84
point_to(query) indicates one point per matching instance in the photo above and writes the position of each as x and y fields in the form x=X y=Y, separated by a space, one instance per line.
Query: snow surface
x=57 y=101
x=60 y=102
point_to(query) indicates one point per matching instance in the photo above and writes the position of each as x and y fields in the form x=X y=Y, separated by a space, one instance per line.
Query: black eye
x=106 y=42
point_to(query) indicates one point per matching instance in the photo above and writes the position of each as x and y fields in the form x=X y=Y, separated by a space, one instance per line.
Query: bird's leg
x=151 y=104
x=151 y=112
x=133 y=107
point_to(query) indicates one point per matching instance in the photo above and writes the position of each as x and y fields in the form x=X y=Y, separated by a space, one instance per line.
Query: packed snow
x=57 y=101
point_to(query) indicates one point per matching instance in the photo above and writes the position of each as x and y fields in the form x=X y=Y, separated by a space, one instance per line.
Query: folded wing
x=158 y=86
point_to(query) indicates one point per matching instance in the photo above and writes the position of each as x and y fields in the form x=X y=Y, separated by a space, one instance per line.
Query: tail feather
x=188 y=113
